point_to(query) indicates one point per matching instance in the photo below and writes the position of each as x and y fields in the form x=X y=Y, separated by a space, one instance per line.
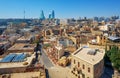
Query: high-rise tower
x=53 y=14
x=49 y=16
x=42 y=17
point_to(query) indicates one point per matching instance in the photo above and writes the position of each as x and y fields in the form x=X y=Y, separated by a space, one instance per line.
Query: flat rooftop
x=58 y=47
x=90 y=55
x=26 y=75
x=24 y=38
x=22 y=46
x=3 y=42
x=17 y=64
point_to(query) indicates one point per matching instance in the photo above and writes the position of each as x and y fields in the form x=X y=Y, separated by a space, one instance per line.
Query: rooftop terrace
x=11 y=61
x=90 y=55
x=22 y=47
x=14 y=58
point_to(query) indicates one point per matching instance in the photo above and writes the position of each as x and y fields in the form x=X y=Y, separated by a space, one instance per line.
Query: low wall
x=12 y=70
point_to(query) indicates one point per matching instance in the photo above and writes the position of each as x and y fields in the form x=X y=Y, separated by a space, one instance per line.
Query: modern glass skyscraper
x=49 y=16
x=42 y=17
x=53 y=14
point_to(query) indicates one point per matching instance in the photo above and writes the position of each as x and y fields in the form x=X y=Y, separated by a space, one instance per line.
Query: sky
x=62 y=8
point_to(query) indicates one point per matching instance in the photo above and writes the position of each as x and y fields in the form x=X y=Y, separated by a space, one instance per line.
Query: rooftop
x=17 y=64
x=3 y=42
x=58 y=47
x=24 y=38
x=35 y=74
x=22 y=46
x=14 y=58
x=26 y=75
x=113 y=38
x=90 y=55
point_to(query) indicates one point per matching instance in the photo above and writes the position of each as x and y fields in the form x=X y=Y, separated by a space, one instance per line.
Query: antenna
x=24 y=14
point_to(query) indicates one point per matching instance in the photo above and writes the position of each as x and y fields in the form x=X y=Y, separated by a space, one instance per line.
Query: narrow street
x=53 y=71
x=44 y=59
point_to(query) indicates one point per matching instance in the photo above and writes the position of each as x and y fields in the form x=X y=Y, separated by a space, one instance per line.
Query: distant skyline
x=62 y=8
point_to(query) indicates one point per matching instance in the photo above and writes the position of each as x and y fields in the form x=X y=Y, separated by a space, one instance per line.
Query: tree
x=114 y=55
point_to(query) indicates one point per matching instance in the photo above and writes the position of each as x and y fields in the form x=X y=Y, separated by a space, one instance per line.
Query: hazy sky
x=62 y=8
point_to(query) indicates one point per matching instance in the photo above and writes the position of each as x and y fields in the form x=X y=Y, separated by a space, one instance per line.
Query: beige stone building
x=76 y=40
x=59 y=50
x=116 y=74
x=87 y=63
x=101 y=40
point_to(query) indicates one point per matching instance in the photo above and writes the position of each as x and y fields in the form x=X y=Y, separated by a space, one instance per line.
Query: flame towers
x=52 y=15
x=42 y=17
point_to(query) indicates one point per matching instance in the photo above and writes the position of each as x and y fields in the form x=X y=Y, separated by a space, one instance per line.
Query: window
x=73 y=69
x=78 y=72
x=83 y=75
x=74 y=61
x=83 y=66
x=78 y=64
x=75 y=74
x=89 y=70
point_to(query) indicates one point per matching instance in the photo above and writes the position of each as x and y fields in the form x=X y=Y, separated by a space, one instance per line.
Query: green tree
x=114 y=55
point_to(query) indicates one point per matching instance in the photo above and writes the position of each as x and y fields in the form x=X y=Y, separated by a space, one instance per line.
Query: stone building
x=87 y=63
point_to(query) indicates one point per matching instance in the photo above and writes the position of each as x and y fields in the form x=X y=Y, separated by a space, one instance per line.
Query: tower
x=42 y=17
x=53 y=14
x=24 y=14
x=49 y=16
